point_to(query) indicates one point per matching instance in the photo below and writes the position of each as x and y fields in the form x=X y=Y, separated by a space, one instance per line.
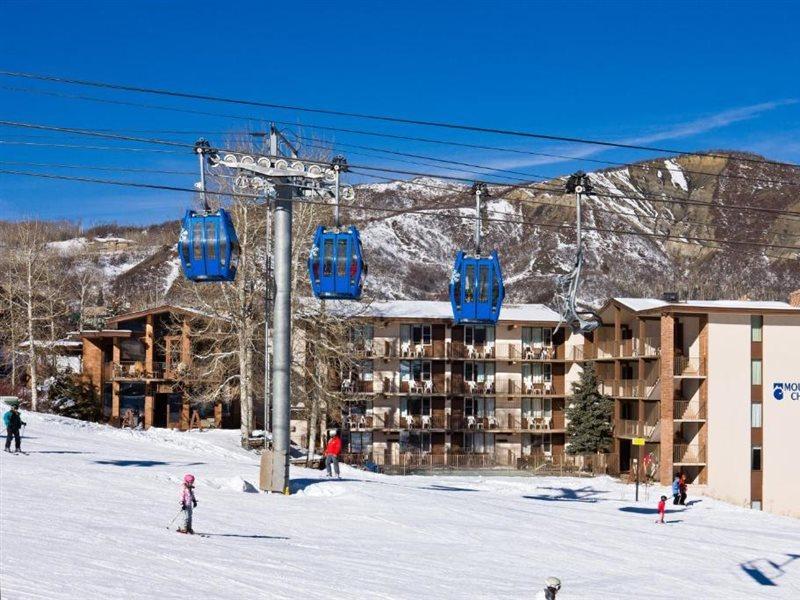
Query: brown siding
x=667 y=395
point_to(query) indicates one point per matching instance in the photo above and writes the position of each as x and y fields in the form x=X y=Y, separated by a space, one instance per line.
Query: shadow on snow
x=584 y=494
x=143 y=463
x=764 y=571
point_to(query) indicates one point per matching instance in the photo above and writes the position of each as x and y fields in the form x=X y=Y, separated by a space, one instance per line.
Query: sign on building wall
x=787 y=390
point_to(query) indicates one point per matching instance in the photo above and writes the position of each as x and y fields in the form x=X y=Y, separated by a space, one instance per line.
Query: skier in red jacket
x=662 y=508
x=332 y=451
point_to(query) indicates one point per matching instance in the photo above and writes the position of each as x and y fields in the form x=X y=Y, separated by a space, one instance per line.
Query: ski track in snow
x=84 y=515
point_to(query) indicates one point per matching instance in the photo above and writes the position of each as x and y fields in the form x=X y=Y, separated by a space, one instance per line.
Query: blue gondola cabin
x=208 y=246
x=336 y=265
x=476 y=288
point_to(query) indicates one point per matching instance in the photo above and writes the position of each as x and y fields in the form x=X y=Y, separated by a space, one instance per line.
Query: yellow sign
x=638 y=441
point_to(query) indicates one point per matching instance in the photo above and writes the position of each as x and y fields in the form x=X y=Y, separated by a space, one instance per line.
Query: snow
x=676 y=174
x=429 y=309
x=172 y=275
x=67 y=247
x=84 y=515
x=641 y=304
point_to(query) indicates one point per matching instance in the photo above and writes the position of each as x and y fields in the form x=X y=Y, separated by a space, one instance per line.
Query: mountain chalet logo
x=786 y=390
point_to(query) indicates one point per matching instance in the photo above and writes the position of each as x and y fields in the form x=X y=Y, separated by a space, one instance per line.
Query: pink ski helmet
x=188 y=478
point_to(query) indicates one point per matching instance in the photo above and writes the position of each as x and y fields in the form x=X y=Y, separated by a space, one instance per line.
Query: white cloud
x=682 y=130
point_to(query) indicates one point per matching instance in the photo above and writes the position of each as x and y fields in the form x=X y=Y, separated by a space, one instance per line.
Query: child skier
x=551 y=587
x=188 y=503
x=662 y=509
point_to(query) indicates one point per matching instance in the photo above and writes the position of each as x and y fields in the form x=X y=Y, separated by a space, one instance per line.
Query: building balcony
x=685 y=454
x=690 y=366
x=523 y=352
x=685 y=410
x=629 y=428
x=629 y=388
x=356 y=386
x=137 y=371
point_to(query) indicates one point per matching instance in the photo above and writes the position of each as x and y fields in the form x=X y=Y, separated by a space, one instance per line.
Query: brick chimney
x=794 y=298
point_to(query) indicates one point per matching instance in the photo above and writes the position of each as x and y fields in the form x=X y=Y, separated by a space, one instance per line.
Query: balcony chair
x=347 y=385
x=493 y=424
x=362 y=422
x=405 y=349
x=419 y=350
x=426 y=422
x=471 y=353
x=546 y=421
x=409 y=422
x=471 y=422
x=429 y=387
x=548 y=387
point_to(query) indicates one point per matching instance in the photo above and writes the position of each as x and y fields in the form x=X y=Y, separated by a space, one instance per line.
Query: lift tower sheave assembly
x=276 y=176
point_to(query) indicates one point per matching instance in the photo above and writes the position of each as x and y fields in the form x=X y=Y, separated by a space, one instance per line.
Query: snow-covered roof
x=428 y=309
x=643 y=304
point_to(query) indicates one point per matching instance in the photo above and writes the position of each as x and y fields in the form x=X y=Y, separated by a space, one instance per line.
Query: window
x=364 y=369
x=479 y=442
x=469 y=283
x=537 y=373
x=479 y=407
x=362 y=333
x=537 y=337
x=478 y=371
x=476 y=335
x=197 y=238
x=756 y=372
x=756 y=458
x=756 y=328
x=415 y=370
x=341 y=257
x=421 y=334
x=327 y=258
x=211 y=240
x=755 y=414
x=537 y=407
x=483 y=284
x=360 y=442
x=415 y=406
x=415 y=441
x=542 y=444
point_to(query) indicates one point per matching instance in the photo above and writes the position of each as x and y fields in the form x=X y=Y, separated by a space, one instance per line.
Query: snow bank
x=85 y=515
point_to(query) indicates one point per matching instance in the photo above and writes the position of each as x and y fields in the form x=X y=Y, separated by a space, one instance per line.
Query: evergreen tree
x=69 y=396
x=589 y=414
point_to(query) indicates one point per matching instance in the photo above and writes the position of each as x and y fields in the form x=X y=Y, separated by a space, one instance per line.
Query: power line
x=640 y=164
x=84 y=147
x=663 y=198
x=400 y=211
x=528 y=201
x=672 y=223
x=372 y=117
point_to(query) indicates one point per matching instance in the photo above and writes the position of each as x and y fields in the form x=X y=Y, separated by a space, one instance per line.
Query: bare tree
x=37 y=295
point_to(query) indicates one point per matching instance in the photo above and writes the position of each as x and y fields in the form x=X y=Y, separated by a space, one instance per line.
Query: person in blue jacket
x=676 y=489
x=13 y=422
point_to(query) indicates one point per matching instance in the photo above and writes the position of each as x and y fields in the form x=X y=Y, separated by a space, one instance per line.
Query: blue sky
x=688 y=75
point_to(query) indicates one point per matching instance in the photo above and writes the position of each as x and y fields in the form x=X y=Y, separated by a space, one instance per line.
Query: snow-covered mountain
x=533 y=226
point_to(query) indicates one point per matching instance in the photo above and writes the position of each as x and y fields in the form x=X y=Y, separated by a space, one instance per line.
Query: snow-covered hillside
x=84 y=516
x=675 y=206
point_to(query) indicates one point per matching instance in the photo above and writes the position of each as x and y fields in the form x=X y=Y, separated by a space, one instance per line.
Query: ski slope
x=84 y=516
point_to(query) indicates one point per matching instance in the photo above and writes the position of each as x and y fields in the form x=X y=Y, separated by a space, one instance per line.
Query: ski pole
x=180 y=510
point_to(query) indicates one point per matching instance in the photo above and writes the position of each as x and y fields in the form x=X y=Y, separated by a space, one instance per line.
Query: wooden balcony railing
x=137 y=370
x=688 y=454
